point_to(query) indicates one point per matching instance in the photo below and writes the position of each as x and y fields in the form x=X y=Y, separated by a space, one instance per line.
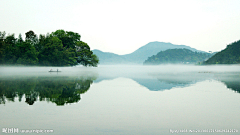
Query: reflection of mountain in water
x=59 y=89
x=154 y=84
x=160 y=82
x=150 y=83
x=233 y=85
x=232 y=81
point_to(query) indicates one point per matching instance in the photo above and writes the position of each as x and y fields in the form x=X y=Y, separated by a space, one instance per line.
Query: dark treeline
x=230 y=55
x=60 y=48
x=177 y=56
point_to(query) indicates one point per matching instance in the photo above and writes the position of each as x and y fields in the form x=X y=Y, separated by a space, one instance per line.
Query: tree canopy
x=60 y=48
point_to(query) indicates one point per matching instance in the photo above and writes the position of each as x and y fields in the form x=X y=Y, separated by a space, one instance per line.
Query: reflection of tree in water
x=31 y=98
x=13 y=87
x=60 y=90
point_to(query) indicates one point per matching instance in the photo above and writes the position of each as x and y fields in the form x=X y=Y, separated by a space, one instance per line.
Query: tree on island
x=85 y=55
x=60 y=48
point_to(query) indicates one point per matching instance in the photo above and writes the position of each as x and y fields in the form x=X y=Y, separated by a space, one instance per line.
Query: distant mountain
x=230 y=55
x=109 y=58
x=138 y=56
x=176 y=56
x=152 y=48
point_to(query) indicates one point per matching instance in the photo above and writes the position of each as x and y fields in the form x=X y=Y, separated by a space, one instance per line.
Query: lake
x=121 y=100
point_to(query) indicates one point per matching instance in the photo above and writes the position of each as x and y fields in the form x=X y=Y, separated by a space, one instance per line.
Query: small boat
x=54 y=71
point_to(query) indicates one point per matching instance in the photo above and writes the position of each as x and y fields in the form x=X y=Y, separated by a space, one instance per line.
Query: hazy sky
x=122 y=26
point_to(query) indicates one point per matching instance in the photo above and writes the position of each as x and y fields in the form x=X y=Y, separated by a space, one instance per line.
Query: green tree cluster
x=60 y=90
x=60 y=48
x=177 y=56
x=230 y=55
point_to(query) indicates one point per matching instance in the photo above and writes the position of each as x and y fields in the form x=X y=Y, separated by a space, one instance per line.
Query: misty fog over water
x=121 y=99
x=154 y=78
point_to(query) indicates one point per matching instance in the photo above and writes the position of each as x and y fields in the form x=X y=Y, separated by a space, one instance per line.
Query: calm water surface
x=121 y=99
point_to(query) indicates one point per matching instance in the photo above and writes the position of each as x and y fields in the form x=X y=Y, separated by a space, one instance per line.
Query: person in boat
x=50 y=69
x=57 y=70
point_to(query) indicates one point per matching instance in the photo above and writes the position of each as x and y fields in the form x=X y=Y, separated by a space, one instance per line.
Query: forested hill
x=177 y=56
x=230 y=55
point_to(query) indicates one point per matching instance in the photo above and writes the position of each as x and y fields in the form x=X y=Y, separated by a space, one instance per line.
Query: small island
x=60 y=48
